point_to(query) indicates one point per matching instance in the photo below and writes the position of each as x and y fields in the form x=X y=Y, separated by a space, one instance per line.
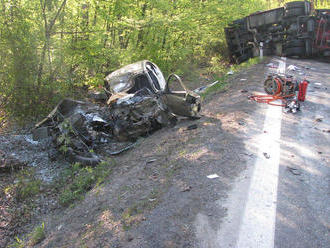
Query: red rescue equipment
x=302 y=90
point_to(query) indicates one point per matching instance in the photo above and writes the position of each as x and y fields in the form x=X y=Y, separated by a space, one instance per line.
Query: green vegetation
x=51 y=48
x=26 y=185
x=133 y=214
x=33 y=238
x=37 y=235
x=78 y=180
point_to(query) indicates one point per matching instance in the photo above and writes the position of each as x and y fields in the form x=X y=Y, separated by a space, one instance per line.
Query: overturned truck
x=293 y=30
x=139 y=101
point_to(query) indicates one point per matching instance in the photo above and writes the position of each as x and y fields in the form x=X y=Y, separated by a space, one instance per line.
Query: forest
x=51 y=48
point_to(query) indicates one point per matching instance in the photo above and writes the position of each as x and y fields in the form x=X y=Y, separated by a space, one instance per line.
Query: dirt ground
x=157 y=189
x=159 y=194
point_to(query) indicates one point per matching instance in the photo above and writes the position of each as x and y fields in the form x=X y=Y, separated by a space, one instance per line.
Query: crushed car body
x=139 y=101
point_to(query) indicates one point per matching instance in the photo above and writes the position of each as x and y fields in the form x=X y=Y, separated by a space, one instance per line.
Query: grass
x=26 y=185
x=33 y=238
x=134 y=214
x=78 y=180
x=223 y=80
x=37 y=235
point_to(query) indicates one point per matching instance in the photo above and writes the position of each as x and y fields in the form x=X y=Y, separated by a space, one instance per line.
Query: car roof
x=121 y=79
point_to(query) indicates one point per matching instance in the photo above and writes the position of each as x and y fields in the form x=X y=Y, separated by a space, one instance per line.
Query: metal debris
x=139 y=101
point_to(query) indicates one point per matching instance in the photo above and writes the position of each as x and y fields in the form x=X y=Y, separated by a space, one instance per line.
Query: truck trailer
x=293 y=30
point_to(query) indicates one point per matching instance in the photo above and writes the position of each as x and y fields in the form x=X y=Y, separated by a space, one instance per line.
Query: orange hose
x=269 y=99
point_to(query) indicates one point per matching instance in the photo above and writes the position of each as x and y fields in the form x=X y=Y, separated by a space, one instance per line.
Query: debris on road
x=294 y=171
x=267 y=156
x=319 y=118
x=230 y=72
x=241 y=123
x=292 y=68
x=151 y=161
x=139 y=101
x=212 y=176
x=186 y=188
x=192 y=127
x=271 y=65
x=203 y=88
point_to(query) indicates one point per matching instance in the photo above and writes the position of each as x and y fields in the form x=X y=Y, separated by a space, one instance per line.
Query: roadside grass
x=77 y=180
x=32 y=239
x=37 y=235
x=224 y=78
x=134 y=214
x=25 y=186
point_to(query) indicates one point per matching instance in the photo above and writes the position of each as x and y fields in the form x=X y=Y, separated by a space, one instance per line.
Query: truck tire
x=308 y=47
x=295 y=43
x=295 y=12
x=295 y=4
x=294 y=51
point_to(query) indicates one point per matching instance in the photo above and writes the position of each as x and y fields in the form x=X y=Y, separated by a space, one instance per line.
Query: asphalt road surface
x=283 y=198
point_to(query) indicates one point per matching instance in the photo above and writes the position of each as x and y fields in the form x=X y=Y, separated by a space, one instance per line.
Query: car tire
x=295 y=12
x=294 y=51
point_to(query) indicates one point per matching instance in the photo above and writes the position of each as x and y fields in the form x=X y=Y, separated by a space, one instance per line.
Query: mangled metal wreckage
x=139 y=101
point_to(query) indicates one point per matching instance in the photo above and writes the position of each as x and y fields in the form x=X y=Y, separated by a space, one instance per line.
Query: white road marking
x=258 y=224
x=257 y=228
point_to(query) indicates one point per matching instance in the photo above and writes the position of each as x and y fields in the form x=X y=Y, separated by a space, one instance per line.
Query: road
x=282 y=198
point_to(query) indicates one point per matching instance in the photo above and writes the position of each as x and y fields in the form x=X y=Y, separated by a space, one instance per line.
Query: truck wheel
x=294 y=43
x=308 y=47
x=295 y=4
x=295 y=12
x=295 y=51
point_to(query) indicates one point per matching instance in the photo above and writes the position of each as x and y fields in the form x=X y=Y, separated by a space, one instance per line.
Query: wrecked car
x=139 y=101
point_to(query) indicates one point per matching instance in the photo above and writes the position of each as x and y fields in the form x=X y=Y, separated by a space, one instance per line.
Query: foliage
x=49 y=48
x=79 y=180
x=37 y=235
x=26 y=185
